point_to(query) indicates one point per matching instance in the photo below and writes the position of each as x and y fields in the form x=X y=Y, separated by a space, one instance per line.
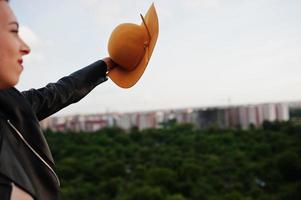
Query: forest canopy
x=179 y=162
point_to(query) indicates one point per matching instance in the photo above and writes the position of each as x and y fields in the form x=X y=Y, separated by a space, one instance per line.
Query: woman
x=26 y=164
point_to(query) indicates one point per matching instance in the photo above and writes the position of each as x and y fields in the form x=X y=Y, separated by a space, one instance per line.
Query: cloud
x=196 y=4
x=29 y=36
x=35 y=43
x=114 y=12
x=104 y=12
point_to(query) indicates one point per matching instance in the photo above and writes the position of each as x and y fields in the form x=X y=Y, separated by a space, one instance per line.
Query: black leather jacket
x=25 y=158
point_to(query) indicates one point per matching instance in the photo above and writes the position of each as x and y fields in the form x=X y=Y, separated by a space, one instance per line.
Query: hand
x=110 y=63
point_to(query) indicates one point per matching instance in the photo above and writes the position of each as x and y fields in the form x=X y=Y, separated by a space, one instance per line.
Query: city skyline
x=202 y=118
x=209 y=52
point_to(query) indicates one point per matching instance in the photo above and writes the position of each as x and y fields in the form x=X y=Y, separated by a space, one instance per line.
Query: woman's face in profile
x=12 y=48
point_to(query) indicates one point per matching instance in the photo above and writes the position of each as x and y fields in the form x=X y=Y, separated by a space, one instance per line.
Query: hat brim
x=126 y=79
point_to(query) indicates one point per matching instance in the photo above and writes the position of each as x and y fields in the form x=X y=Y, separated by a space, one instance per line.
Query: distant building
x=203 y=118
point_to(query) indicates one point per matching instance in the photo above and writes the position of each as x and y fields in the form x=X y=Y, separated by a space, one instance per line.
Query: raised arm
x=69 y=89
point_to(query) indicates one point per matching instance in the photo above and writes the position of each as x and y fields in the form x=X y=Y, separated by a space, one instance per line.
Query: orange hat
x=131 y=46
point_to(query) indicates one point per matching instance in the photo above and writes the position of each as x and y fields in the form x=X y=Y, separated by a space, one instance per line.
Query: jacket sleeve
x=69 y=89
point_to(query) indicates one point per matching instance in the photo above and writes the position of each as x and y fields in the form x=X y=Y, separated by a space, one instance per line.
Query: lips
x=20 y=61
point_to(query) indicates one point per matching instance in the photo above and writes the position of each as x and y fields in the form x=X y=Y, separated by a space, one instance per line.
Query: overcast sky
x=209 y=52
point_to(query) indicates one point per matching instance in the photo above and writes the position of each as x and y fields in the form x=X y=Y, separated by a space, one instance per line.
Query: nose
x=24 y=48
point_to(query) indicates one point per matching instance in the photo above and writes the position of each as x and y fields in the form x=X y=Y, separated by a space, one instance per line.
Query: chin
x=9 y=80
x=12 y=83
